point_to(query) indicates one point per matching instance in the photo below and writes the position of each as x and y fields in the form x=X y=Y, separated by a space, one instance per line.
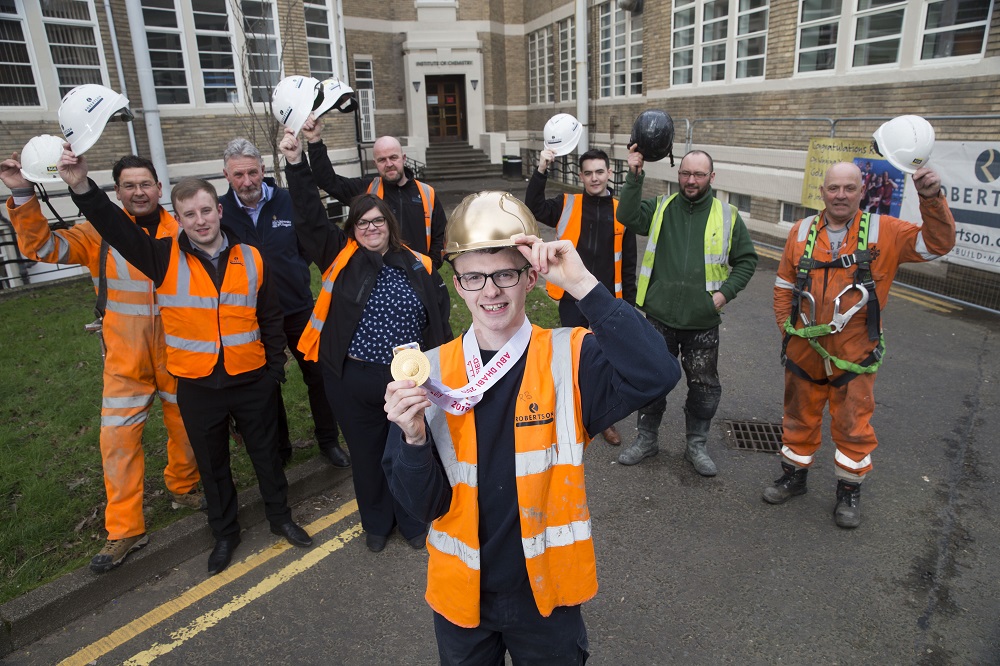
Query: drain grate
x=754 y=435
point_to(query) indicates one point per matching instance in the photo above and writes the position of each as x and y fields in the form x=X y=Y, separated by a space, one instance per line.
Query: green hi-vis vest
x=718 y=242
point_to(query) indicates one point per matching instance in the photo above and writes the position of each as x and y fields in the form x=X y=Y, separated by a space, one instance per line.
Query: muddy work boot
x=115 y=552
x=645 y=444
x=697 y=448
x=847 y=513
x=194 y=499
x=791 y=483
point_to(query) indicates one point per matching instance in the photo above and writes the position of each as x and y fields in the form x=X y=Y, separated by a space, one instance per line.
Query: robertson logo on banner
x=970 y=179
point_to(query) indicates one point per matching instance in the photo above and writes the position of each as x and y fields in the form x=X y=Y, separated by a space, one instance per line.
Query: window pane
x=752 y=23
x=874 y=4
x=751 y=47
x=956 y=43
x=876 y=53
x=715 y=9
x=814 y=10
x=746 y=69
x=817 y=61
x=682 y=76
x=956 y=12
x=880 y=25
x=822 y=35
x=713 y=31
x=684 y=38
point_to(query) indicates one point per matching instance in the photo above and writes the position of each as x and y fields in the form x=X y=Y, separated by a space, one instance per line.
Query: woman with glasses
x=377 y=294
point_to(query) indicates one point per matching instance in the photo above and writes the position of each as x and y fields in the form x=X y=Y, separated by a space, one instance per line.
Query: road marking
x=925 y=300
x=163 y=612
x=212 y=618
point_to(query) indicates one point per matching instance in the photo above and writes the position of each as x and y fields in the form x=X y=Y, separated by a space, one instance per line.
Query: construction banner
x=825 y=152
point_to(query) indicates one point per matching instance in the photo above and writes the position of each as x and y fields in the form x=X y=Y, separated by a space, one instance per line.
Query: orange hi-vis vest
x=549 y=441
x=426 y=198
x=309 y=340
x=199 y=321
x=568 y=228
x=129 y=291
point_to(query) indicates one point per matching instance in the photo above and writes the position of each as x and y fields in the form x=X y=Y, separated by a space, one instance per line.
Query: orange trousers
x=134 y=373
x=851 y=408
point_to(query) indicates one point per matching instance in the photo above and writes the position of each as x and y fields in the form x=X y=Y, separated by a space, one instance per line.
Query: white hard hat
x=562 y=133
x=84 y=112
x=906 y=141
x=293 y=100
x=40 y=158
x=335 y=94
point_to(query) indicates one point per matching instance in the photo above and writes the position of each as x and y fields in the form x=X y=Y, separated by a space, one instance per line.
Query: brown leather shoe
x=612 y=437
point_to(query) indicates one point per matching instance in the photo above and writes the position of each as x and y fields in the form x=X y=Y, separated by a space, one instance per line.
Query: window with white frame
x=620 y=44
x=17 y=77
x=718 y=40
x=166 y=51
x=263 y=59
x=792 y=213
x=540 y=88
x=71 y=31
x=740 y=201
x=364 y=86
x=955 y=28
x=819 y=28
x=319 y=38
x=878 y=30
x=215 y=51
x=567 y=59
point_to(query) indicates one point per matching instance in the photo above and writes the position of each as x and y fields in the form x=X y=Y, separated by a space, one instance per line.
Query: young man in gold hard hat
x=490 y=448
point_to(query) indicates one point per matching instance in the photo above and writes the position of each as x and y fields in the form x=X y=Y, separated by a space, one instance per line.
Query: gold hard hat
x=487 y=219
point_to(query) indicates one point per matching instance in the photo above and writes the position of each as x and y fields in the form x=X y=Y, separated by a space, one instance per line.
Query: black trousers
x=324 y=421
x=510 y=622
x=206 y=417
x=360 y=398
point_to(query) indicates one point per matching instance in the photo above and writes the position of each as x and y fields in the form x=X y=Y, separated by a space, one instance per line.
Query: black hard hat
x=653 y=133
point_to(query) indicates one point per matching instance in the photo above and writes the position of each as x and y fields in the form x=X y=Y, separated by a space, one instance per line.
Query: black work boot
x=645 y=444
x=847 y=513
x=791 y=483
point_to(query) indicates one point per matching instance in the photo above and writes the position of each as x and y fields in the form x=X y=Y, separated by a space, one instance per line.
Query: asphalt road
x=691 y=570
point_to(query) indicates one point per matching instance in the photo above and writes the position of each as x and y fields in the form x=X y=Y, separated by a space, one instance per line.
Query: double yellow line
x=234 y=572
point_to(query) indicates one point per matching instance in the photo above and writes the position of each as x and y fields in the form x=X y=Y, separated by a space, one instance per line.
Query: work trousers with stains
x=699 y=354
x=135 y=372
x=851 y=408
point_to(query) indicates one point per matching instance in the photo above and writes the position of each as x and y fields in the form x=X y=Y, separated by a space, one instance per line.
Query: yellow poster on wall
x=826 y=151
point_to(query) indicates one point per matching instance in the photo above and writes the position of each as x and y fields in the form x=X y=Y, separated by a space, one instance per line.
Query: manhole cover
x=754 y=435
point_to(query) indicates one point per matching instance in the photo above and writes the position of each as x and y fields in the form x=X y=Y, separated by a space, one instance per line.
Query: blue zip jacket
x=275 y=237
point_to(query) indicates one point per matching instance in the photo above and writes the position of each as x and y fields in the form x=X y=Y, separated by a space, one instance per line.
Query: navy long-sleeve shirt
x=623 y=366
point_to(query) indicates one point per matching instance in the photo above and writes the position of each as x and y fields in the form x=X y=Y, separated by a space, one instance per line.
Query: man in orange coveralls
x=837 y=267
x=135 y=362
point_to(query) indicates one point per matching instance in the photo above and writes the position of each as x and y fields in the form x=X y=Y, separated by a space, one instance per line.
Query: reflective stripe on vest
x=129 y=291
x=200 y=321
x=718 y=242
x=309 y=340
x=549 y=440
x=568 y=228
x=426 y=198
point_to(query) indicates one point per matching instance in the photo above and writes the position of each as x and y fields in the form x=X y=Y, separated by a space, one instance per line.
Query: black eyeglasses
x=375 y=222
x=697 y=175
x=503 y=279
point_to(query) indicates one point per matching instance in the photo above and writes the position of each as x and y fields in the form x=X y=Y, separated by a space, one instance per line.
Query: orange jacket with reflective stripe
x=549 y=441
x=426 y=198
x=568 y=228
x=130 y=293
x=309 y=340
x=201 y=321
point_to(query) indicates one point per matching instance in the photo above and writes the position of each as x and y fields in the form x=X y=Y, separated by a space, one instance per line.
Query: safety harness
x=863 y=282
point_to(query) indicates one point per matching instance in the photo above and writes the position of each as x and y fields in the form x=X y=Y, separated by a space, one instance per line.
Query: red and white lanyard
x=483 y=376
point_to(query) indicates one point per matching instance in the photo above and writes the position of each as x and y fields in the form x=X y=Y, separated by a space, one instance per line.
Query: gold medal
x=411 y=364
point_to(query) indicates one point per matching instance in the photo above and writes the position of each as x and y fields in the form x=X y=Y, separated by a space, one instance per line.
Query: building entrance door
x=446 y=109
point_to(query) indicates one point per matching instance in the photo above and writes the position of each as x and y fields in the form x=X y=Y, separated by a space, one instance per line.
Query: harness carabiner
x=840 y=320
x=812 y=309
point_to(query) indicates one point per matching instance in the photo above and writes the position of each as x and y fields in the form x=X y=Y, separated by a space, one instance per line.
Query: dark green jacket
x=676 y=295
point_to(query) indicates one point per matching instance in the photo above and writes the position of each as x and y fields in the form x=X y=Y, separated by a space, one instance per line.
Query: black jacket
x=324 y=240
x=152 y=257
x=275 y=237
x=405 y=202
x=597 y=235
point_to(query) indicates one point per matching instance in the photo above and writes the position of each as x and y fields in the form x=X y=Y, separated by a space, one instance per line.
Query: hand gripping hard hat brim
x=335 y=94
x=653 y=134
x=486 y=220
x=86 y=110
x=562 y=133
x=40 y=159
x=905 y=141
x=293 y=100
